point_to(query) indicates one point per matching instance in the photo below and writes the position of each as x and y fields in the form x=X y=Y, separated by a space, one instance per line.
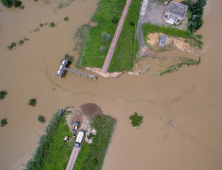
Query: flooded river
x=190 y=98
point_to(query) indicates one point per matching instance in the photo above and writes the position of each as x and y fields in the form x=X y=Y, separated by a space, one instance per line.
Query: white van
x=79 y=138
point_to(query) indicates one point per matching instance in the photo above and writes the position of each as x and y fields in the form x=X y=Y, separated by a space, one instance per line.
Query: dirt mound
x=91 y=110
x=83 y=114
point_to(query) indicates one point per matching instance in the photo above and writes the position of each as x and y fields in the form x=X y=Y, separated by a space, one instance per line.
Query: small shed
x=175 y=13
x=163 y=41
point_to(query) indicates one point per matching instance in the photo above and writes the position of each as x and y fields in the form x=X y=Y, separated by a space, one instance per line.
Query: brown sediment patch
x=102 y=74
x=182 y=45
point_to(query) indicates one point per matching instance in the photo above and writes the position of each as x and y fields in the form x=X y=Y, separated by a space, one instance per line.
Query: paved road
x=115 y=38
x=140 y=34
x=72 y=158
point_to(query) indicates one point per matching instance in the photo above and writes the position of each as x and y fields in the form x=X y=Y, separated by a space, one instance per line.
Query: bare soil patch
x=102 y=74
x=172 y=43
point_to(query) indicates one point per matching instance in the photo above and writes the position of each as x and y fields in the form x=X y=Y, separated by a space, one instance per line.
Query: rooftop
x=177 y=9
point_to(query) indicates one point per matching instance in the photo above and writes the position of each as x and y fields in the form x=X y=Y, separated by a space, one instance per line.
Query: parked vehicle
x=79 y=138
x=75 y=127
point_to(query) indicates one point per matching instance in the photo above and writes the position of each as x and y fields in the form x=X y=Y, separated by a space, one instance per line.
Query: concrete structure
x=175 y=13
x=63 y=67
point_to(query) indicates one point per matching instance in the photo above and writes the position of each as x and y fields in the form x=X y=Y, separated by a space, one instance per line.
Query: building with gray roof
x=175 y=13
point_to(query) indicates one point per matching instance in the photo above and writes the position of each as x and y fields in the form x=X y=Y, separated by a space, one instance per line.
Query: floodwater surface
x=182 y=110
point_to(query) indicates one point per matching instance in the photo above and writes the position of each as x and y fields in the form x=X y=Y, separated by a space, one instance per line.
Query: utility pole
x=192 y=20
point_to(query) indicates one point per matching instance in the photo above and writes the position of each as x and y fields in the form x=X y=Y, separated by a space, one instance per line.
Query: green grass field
x=50 y=154
x=91 y=156
x=92 y=56
x=124 y=54
x=150 y=28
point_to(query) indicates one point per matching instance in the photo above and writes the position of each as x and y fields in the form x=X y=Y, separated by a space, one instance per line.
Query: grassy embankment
x=193 y=40
x=127 y=45
x=50 y=154
x=91 y=156
x=176 y=67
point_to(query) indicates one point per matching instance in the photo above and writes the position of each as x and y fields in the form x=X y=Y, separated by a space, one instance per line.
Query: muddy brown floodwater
x=190 y=98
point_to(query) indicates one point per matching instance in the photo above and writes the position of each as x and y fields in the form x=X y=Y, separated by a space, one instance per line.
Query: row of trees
x=197 y=9
x=10 y=3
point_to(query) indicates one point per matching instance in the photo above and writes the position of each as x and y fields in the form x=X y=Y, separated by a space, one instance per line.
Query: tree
x=69 y=58
x=2 y=94
x=9 y=3
x=136 y=120
x=196 y=8
x=4 y=122
x=41 y=119
x=32 y=102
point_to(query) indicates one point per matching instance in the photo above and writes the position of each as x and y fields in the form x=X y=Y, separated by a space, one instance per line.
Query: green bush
x=41 y=25
x=22 y=7
x=69 y=58
x=13 y=44
x=2 y=94
x=66 y=18
x=41 y=119
x=20 y=42
x=32 y=102
x=106 y=36
x=26 y=39
x=103 y=48
x=115 y=19
x=4 y=122
x=132 y=23
x=36 y=30
x=136 y=120
x=52 y=24
x=200 y=36
x=9 y=47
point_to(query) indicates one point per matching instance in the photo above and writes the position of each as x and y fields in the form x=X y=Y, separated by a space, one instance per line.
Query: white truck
x=79 y=138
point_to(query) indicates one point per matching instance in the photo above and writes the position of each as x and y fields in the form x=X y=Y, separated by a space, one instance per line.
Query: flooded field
x=190 y=98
